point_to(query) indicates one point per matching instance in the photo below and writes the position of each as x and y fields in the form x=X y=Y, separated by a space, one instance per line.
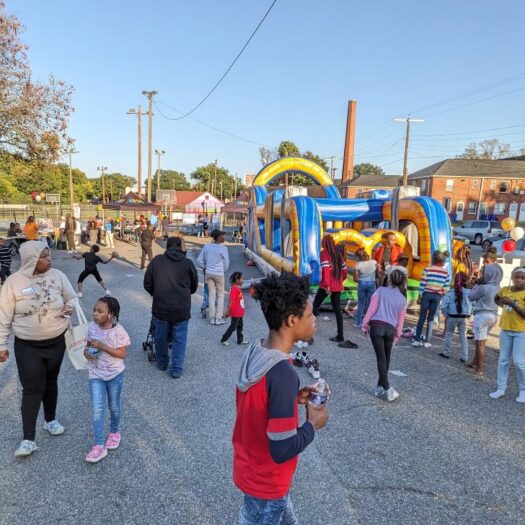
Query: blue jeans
x=179 y=336
x=511 y=344
x=365 y=290
x=429 y=307
x=256 y=511
x=99 y=390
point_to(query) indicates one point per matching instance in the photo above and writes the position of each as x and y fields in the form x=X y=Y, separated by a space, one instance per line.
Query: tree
x=491 y=149
x=316 y=158
x=206 y=179
x=288 y=149
x=365 y=168
x=33 y=115
x=268 y=155
x=172 y=180
x=116 y=181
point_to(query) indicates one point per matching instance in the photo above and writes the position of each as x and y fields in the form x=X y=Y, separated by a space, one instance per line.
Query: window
x=447 y=201
x=450 y=185
x=424 y=185
x=472 y=208
x=503 y=187
x=499 y=208
x=482 y=209
x=492 y=185
x=475 y=184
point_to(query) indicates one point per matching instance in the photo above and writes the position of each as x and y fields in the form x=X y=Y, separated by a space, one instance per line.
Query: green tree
x=113 y=181
x=33 y=115
x=365 y=168
x=206 y=177
x=172 y=180
x=316 y=158
x=288 y=148
x=491 y=149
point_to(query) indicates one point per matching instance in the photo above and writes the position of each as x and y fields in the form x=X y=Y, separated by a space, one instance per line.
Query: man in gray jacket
x=215 y=260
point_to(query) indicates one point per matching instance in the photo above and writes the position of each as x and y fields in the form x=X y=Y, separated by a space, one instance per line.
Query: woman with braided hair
x=462 y=262
x=106 y=350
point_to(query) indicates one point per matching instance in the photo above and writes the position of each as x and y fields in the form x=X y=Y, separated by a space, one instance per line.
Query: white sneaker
x=220 y=321
x=497 y=394
x=212 y=321
x=79 y=294
x=108 y=293
x=427 y=345
x=391 y=394
x=54 y=428
x=26 y=448
x=521 y=397
x=416 y=344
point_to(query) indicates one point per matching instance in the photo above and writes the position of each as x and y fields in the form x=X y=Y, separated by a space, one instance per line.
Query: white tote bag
x=76 y=340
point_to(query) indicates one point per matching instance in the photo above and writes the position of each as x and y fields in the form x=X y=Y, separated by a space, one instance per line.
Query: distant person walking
x=171 y=279
x=35 y=303
x=215 y=260
x=70 y=226
x=147 y=236
x=31 y=229
x=110 y=227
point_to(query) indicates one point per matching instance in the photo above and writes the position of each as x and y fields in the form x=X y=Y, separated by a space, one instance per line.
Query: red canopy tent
x=132 y=202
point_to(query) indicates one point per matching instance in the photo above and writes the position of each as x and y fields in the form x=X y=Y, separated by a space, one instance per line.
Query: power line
x=469 y=132
x=229 y=68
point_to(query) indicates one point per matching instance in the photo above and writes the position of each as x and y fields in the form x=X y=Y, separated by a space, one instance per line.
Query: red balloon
x=509 y=245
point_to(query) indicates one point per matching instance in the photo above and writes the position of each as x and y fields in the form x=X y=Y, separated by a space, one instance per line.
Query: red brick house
x=368 y=182
x=475 y=189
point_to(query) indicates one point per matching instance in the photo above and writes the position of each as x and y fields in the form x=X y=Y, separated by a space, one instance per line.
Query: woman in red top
x=333 y=275
x=235 y=310
x=388 y=253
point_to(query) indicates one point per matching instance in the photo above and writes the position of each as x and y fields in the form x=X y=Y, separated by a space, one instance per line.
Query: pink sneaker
x=113 y=440
x=96 y=454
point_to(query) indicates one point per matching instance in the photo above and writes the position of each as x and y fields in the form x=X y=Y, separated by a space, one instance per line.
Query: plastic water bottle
x=319 y=396
x=92 y=350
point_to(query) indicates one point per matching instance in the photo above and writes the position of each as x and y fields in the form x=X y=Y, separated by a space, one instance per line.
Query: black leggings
x=382 y=336
x=236 y=324
x=38 y=365
x=87 y=273
x=335 y=298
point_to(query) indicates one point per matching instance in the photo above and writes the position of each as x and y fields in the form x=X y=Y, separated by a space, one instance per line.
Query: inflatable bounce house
x=285 y=225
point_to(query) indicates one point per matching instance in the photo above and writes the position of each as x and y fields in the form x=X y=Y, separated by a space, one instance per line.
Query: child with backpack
x=457 y=308
x=235 y=310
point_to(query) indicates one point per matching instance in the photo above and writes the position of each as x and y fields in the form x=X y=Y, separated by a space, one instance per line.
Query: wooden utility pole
x=235 y=188
x=348 y=158
x=150 y=95
x=214 y=187
x=408 y=120
x=111 y=190
x=139 y=115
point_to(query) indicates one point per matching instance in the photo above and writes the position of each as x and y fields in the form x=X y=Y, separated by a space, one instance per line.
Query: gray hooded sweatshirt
x=482 y=295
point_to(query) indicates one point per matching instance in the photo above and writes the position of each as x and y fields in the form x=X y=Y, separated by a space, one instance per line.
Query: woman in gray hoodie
x=485 y=310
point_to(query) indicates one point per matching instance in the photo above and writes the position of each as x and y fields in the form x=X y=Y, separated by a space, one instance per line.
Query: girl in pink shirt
x=106 y=348
x=384 y=321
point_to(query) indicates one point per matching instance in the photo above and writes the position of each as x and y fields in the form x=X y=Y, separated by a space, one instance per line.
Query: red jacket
x=327 y=278
x=394 y=254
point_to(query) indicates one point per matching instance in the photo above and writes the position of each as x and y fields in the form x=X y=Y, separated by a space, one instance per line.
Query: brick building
x=475 y=189
x=368 y=182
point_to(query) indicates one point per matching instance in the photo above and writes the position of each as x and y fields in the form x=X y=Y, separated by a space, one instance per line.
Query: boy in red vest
x=267 y=438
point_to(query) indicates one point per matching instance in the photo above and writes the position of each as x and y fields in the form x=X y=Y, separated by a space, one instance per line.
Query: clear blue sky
x=293 y=82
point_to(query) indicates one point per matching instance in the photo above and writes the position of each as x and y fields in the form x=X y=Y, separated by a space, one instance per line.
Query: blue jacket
x=449 y=308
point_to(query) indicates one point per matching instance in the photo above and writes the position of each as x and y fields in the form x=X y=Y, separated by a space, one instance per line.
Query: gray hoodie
x=482 y=295
x=256 y=362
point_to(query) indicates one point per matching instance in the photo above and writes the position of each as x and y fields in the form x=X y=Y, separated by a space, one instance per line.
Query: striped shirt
x=6 y=254
x=435 y=279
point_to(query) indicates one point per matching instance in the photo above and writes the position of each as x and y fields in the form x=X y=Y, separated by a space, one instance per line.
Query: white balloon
x=517 y=233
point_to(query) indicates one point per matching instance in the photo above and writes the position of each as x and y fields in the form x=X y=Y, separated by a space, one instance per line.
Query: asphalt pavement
x=443 y=453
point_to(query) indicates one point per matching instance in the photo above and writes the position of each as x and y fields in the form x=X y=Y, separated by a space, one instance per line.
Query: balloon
x=517 y=233
x=508 y=223
x=509 y=245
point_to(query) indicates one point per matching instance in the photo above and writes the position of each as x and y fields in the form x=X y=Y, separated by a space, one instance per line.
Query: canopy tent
x=132 y=202
x=234 y=210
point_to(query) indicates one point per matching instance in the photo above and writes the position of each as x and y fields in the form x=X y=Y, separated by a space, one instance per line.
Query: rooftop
x=374 y=181
x=504 y=169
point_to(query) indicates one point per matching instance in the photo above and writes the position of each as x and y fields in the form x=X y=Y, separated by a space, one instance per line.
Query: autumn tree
x=491 y=149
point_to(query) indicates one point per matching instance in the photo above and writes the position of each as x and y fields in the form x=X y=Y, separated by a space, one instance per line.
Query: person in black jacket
x=147 y=237
x=171 y=279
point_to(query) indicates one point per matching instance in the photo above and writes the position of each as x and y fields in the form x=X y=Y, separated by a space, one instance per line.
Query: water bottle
x=319 y=396
x=92 y=350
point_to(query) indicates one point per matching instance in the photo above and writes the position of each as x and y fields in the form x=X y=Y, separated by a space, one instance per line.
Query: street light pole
x=214 y=189
x=70 y=152
x=150 y=95
x=102 y=169
x=159 y=153
x=139 y=115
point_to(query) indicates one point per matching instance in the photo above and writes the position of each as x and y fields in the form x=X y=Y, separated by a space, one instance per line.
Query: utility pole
x=159 y=153
x=221 y=192
x=214 y=189
x=150 y=95
x=111 y=190
x=235 y=188
x=139 y=115
x=70 y=151
x=102 y=169
x=408 y=120
x=332 y=167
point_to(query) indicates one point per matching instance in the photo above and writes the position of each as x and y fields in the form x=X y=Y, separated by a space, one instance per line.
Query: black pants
x=38 y=365
x=235 y=324
x=335 y=298
x=5 y=272
x=382 y=336
x=146 y=250
x=87 y=273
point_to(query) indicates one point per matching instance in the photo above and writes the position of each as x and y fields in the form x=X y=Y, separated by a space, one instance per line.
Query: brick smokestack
x=348 y=159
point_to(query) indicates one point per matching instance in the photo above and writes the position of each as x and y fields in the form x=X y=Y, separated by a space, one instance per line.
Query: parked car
x=518 y=253
x=477 y=231
x=487 y=243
